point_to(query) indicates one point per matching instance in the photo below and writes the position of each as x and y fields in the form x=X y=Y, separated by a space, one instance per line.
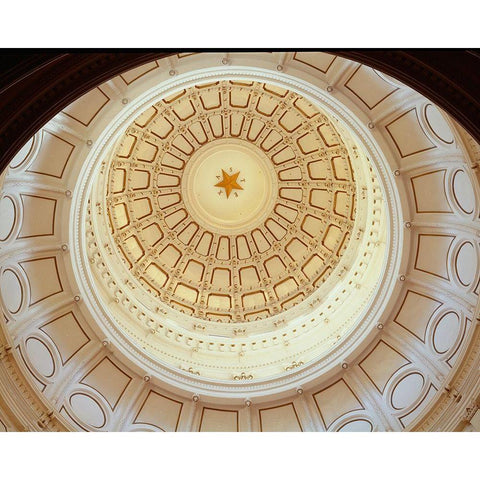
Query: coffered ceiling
x=242 y=242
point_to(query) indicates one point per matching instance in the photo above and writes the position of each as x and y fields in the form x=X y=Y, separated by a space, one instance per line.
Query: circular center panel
x=229 y=186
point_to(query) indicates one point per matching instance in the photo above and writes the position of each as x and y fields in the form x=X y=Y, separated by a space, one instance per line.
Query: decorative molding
x=36 y=411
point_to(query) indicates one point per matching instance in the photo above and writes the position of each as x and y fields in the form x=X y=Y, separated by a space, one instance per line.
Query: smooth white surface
x=40 y=357
x=438 y=124
x=11 y=291
x=357 y=426
x=7 y=217
x=466 y=263
x=446 y=332
x=464 y=194
x=87 y=410
x=407 y=391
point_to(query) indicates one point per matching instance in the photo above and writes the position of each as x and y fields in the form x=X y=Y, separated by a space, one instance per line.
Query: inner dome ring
x=322 y=362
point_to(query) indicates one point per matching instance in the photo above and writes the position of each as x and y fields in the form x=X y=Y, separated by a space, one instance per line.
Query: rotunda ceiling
x=251 y=241
x=238 y=215
x=231 y=201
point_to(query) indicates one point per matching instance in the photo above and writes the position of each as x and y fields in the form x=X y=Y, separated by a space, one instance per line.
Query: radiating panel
x=463 y=191
x=357 y=426
x=366 y=84
x=159 y=411
x=108 y=379
x=466 y=264
x=381 y=363
x=283 y=418
x=216 y=420
x=415 y=313
x=437 y=124
x=43 y=278
x=432 y=254
x=67 y=335
x=12 y=291
x=407 y=390
x=87 y=107
x=40 y=356
x=88 y=410
x=335 y=401
x=408 y=135
x=429 y=192
x=38 y=219
x=53 y=155
x=135 y=73
x=8 y=213
x=318 y=60
x=446 y=332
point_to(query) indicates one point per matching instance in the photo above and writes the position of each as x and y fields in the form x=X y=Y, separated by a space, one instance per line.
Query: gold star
x=229 y=182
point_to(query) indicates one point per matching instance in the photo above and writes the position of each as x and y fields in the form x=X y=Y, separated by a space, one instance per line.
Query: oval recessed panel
x=446 y=332
x=12 y=292
x=357 y=426
x=40 y=357
x=407 y=391
x=437 y=124
x=463 y=191
x=87 y=410
x=22 y=155
x=466 y=264
x=7 y=217
x=144 y=428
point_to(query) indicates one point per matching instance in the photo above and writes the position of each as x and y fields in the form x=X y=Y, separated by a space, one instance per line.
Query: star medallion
x=229 y=182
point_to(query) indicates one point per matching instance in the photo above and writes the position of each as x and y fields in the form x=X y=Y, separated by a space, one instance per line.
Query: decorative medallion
x=229 y=183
